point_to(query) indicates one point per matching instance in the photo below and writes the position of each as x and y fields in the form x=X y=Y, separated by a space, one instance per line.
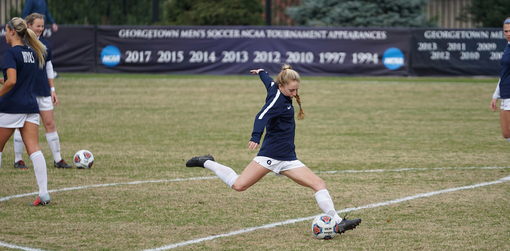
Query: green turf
x=143 y=127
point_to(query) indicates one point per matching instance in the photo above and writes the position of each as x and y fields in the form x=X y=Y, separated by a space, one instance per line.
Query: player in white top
x=46 y=97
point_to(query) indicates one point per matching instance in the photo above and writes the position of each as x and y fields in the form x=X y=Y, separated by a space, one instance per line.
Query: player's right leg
x=505 y=123
x=251 y=174
x=30 y=134
x=18 y=151
x=5 y=134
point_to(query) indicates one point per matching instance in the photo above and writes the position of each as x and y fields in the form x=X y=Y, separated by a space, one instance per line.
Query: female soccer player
x=277 y=153
x=44 y=90
x=18 y=105
x=503 y=88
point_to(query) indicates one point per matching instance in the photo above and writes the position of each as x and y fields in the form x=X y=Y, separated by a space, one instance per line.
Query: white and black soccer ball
x=323 y=227
x=83 y=159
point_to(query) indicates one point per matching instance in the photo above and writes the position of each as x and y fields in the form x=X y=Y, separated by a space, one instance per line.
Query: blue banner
x=236 y=50
x=456 y=52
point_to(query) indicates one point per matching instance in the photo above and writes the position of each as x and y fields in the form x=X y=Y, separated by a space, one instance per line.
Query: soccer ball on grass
x=83 y=159
x=323 y=227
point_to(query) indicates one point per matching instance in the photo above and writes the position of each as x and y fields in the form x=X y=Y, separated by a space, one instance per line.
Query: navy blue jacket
x=277 y=117
x=37 y=6
x=504 y=80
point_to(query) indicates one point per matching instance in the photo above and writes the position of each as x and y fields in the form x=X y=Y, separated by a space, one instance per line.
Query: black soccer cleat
x=346 y=224
x=62 y=164
x=20 y=165
x=199 y=160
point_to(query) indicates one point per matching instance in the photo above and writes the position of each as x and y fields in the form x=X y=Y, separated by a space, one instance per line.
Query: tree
x=112 y=12
x=360 y=13
x=487 y=13
x=214 y=12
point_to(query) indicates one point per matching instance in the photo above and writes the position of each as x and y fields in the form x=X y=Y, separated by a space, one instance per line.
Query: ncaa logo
x=393 y=58
x=110 y=56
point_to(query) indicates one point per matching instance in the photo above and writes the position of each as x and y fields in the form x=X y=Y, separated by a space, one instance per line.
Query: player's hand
x=54 y=98
x=494 y=107
x=252 y=145
x=255 y=72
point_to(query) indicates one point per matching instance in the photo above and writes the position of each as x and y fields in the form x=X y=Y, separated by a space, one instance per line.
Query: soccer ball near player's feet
x=83 y=159
x=323 y=227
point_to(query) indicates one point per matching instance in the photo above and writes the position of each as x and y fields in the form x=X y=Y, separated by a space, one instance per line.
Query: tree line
x=338 y=13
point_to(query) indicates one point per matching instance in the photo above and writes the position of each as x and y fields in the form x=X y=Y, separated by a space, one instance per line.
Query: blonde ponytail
x=20 y=26
x=301 y=114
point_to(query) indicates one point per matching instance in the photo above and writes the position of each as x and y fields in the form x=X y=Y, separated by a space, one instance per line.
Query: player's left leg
x=52 y=138
x=305 y=177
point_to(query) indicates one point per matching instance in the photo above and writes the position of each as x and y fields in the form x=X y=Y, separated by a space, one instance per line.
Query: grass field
x=413 y=157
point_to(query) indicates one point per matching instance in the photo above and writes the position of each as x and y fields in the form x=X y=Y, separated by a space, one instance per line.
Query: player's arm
x=51 y=76
x=27 y=9
x=495 y=98
x=266 y=79
x=9 y=83
x=268 y=111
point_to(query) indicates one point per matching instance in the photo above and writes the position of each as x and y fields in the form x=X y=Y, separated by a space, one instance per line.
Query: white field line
x=215 y=177
x=4 y=244
x=386 y=203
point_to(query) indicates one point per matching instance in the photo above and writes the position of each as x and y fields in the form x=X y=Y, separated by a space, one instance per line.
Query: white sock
x=40 y=172
x=18 y=146
x=326 y=204
x=54 y=142
x=508 y=139
x=225 y=173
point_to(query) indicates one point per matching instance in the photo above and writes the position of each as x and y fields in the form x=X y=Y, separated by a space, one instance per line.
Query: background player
x=44 y=90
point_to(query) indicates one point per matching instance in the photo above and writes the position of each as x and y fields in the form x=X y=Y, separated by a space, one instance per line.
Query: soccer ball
x=323 y=227
x=83 y=159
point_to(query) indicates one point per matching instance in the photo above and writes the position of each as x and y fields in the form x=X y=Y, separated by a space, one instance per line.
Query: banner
x=234 y=50
x=237 y=49
x=73 y=48
x=467 y=52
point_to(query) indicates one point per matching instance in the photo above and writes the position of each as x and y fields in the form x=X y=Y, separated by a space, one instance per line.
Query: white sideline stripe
x=386 y=203
x=7 y=245
x=215 y=177
x=105 y=185
x=4 y=244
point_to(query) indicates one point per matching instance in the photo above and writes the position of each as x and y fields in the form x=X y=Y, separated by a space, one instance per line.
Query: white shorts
x=17 y=120
x=278 y=166
x=44 y=103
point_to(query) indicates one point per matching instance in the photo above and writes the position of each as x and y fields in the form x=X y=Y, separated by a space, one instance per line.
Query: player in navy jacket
x=18 y=105
x=277 y=153
x=46 y=96
x=503 y=88
x=41 y=7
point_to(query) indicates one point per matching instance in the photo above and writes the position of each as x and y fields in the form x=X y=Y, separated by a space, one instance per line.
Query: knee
x=49 y=126
x=319 y=185
x=239 y=188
